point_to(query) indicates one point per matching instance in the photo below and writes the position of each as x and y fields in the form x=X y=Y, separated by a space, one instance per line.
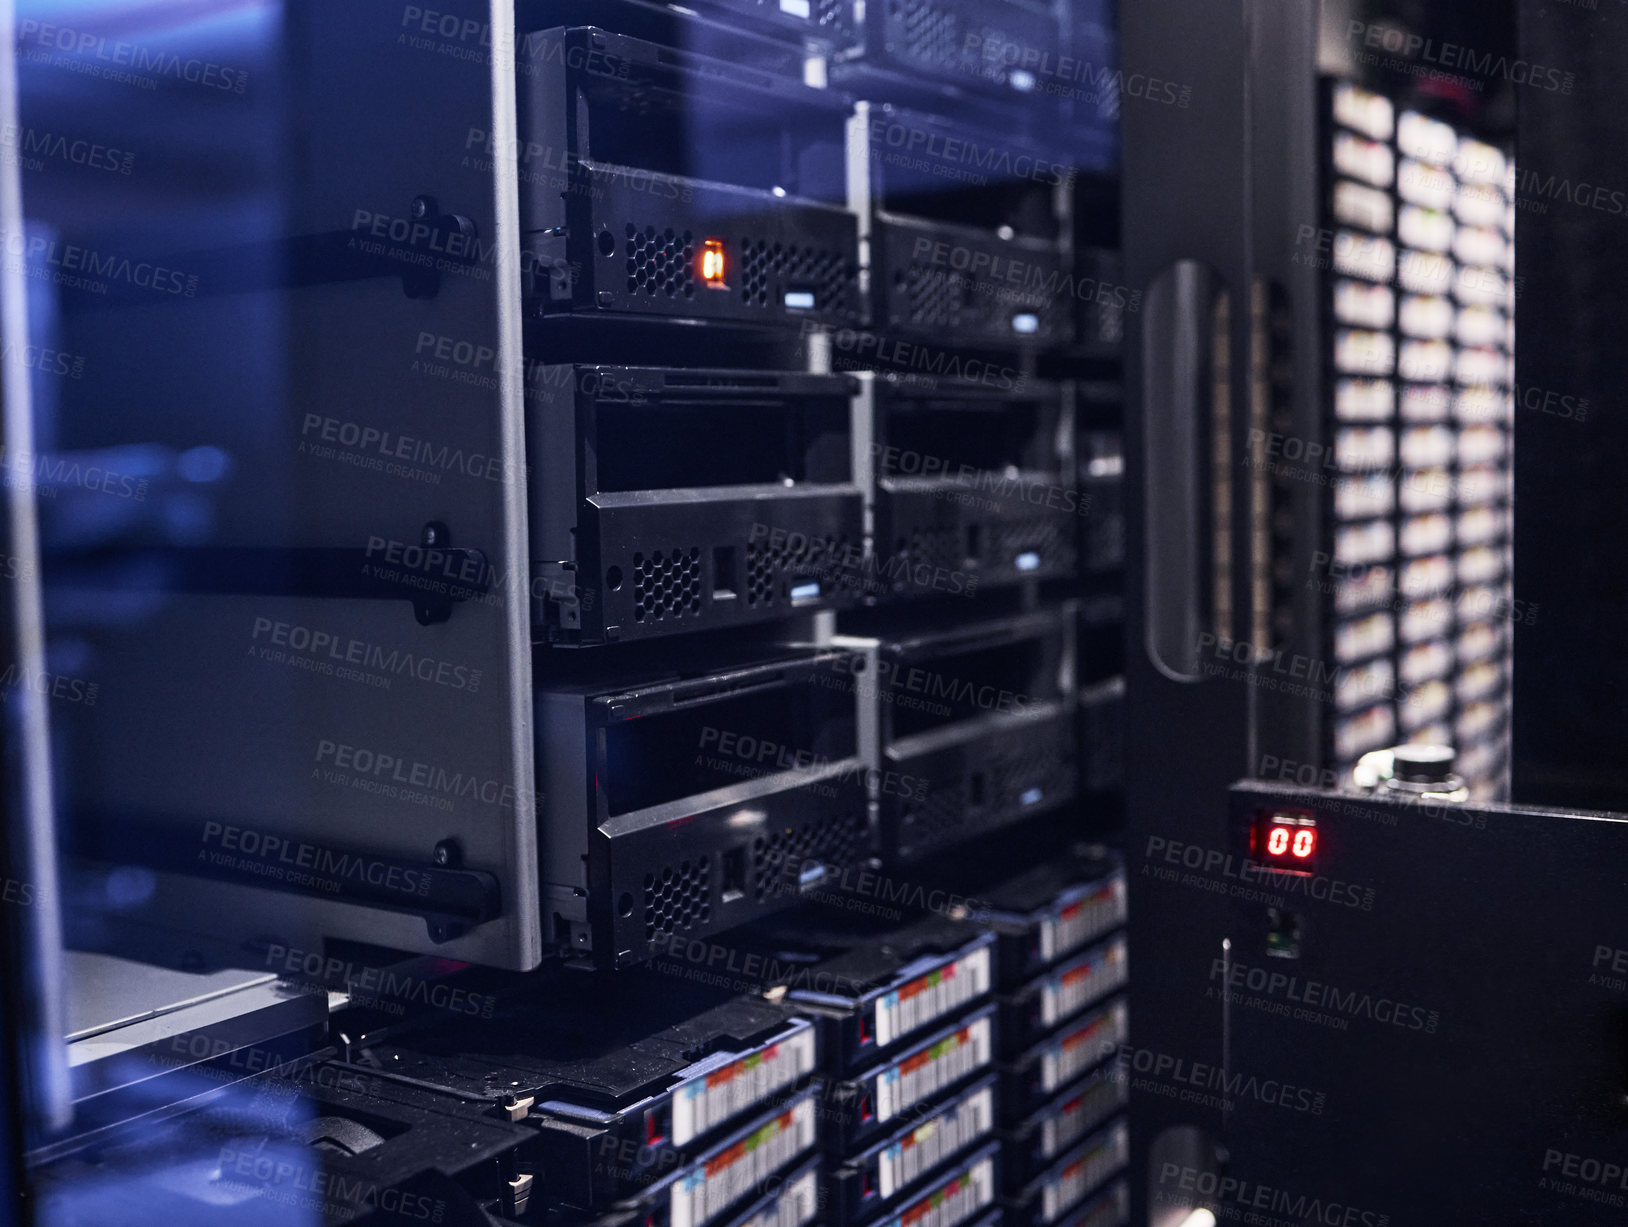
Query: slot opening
x=942 y=438
x=1007 y=679
x=735 y=739
x=716 y=131
x=917 y=188
x=723 y=573
x=734 y=875
x=660 y=445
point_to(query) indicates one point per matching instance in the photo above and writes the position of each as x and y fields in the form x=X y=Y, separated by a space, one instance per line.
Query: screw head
x=421 y=207
x=443 y=853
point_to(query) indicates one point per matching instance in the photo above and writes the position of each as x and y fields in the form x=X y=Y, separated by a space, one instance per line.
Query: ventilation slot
x=677 y=899
x=660 y=262
x=934 y=547
x=936 y=299
x=778 y=859
x=770 y=569
x=666 y=585
x=769 y=269
x=1041 y=536
x=929 y=33
x=937 y=816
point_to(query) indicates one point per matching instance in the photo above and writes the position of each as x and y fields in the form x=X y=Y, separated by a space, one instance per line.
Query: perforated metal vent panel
x=660 y=261
x=771 y=568
x=928 y=33
x=769 y=269
x=936 y=547
x=938 y=815
x=1032 y=768
x=1042 y=535
x=937 y=299
x=778 y=857
x=666 y=584
x=640 y=253
x=977 y=42
x=1042 y=763
x=677 y=898
x=949 y=283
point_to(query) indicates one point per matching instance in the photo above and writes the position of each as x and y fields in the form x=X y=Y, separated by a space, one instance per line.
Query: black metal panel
x=977 y=726
x=685 y=802
x=971 y=478
x=637 y=159
x=977 y=45
x=1458 y=978
x=669 y=501
x=1570 y=719
x=1184 y=199
x=970 y=287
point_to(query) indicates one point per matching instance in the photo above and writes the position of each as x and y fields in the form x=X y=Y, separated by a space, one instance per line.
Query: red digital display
x=1285 y=841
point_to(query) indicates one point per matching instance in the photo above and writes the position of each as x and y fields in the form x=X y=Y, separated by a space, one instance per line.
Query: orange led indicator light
x=712 y=264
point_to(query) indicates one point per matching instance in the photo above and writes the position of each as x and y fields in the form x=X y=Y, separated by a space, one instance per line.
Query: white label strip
x=1074 y=988
x=793 y=1208
x=711 y=1099
x=934 y=1140
x=1076 y=923
x=925 y=1073
x=1082 y=1048
x=1085 y=1173
x=717 y=1183
x=953 y=1202
x=930 y=997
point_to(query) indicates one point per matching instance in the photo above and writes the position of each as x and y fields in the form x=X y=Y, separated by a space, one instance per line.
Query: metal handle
x=1179 y=322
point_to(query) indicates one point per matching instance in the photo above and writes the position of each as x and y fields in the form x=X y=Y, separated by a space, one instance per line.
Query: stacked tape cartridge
x=1062 y=1016
x=910 y=1040
x=650 y=1096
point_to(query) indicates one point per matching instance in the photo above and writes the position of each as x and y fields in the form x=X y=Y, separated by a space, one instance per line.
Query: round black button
x=1419 y=764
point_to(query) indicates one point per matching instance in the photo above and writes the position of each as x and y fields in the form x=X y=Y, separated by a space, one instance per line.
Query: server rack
x=675 y=241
